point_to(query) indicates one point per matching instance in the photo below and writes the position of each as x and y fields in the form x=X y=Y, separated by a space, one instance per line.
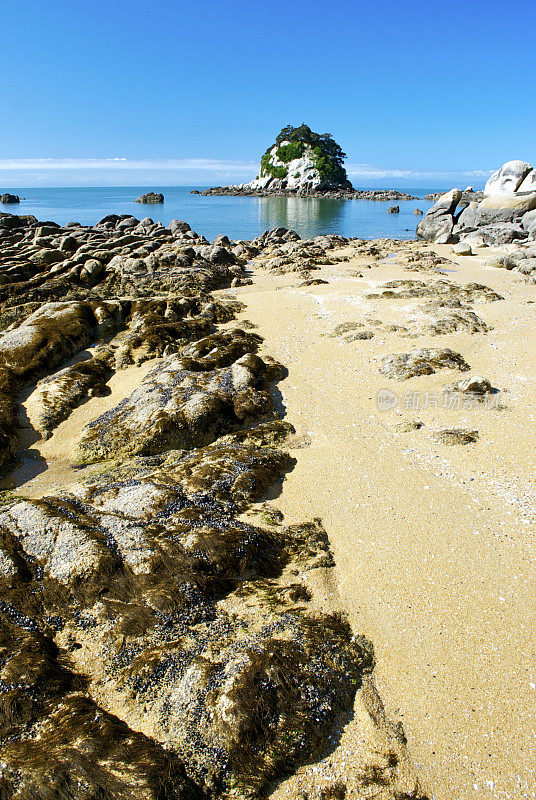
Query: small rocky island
x=304 y=164
x=7 y=198
x=150 y=197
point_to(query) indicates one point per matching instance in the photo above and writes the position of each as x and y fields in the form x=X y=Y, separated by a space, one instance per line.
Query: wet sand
x=434 y=545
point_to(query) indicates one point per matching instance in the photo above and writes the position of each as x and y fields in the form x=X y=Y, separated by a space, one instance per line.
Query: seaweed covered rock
x=454 y=436
x=215 y=384
x=424 y=361
x=56 y=395
x=176 y=614
x=54 y=333
x=50 y=335
x=449 y=322
x=443 y=291
x=160 y=635
x=58 y=742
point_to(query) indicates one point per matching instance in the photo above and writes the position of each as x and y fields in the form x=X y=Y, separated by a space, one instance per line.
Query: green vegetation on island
x=327 y=157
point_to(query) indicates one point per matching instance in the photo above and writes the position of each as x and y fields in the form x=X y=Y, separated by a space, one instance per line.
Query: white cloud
x=202 y=164
x=121 y=171
x=369 y=171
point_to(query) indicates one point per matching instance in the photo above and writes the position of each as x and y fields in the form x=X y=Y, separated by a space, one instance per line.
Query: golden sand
x=434 y=545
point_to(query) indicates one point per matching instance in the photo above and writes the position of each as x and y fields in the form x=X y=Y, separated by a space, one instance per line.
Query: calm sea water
x=238 y=217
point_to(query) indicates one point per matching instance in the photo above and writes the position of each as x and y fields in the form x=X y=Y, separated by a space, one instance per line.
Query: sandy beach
x=433 y=544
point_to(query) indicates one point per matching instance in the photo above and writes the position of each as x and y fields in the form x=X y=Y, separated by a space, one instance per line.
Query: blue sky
x=131 y=92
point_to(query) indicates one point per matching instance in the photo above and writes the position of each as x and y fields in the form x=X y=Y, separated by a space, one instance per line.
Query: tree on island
x=324 y=141
x=294 y=142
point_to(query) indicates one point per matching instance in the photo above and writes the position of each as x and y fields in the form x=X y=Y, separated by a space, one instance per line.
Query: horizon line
x=225 y=167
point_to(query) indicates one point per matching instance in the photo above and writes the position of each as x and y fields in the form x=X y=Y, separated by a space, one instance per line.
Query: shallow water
x=238 y=217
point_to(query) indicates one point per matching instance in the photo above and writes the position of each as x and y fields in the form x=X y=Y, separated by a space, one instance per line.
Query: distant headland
x=305 y=164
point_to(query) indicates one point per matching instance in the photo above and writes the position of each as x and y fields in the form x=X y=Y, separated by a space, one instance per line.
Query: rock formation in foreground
x=159 y=633
x=302 y=162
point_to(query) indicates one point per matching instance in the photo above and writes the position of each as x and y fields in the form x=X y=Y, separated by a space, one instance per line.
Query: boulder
x=91 y=271
x=528 y=220
x=529 y=182
x=418 y=212
x=474 y=384
x=467 y=219
x=508 y=178
x=393 y=210
x=9 y=198
x=505 y=208
x=178 y=226
x=439 y=220
x=68 y=244
x=462 y=249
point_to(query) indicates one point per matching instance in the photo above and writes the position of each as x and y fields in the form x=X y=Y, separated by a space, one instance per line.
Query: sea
x=238 y=217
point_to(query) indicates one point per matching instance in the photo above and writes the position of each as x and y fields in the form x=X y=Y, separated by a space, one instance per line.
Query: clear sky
x=194 y=91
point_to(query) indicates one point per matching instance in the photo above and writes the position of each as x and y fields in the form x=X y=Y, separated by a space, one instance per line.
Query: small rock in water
x=150 y=197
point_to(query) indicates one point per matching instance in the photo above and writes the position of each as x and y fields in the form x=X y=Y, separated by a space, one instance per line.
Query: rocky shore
x=503 y=217
x=164 y=631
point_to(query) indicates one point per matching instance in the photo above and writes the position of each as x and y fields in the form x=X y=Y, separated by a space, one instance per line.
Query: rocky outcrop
x=503 y=216
x=299 y=162
x=150 y=197
x=304 y=163
x=9 y=198
x=302 y=160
